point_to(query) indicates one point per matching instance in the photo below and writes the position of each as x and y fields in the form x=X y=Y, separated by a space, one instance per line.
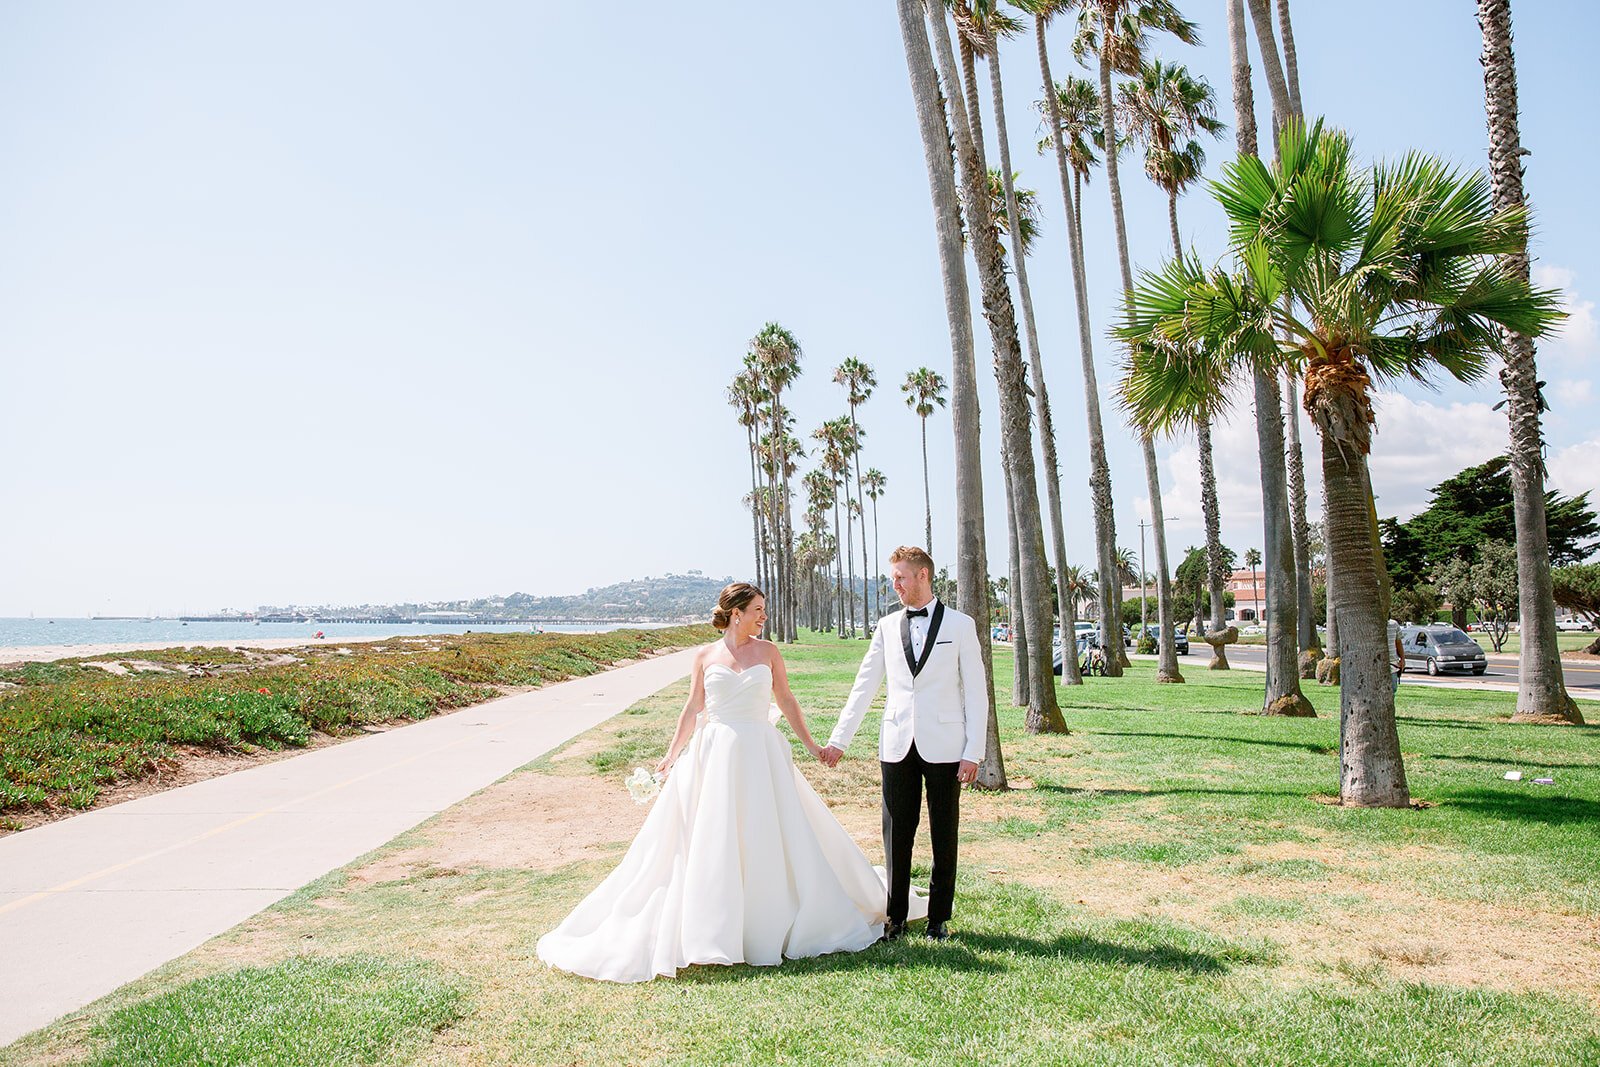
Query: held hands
x=830 y=756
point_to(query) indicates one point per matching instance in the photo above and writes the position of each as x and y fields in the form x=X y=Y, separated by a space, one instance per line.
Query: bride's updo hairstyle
x=736 y=596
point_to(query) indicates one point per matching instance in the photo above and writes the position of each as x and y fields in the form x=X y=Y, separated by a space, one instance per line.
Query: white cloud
x=1576 y=469
x=1577 y=339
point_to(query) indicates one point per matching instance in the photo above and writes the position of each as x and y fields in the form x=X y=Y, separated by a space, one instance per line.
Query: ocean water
x=29 y=632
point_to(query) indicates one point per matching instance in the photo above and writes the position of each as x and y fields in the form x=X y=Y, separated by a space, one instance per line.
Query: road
x=1581 y=678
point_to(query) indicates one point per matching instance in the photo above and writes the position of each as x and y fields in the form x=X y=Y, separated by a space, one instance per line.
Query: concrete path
x=90 y=903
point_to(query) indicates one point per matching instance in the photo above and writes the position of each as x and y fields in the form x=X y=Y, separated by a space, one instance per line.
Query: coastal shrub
x=67 y=730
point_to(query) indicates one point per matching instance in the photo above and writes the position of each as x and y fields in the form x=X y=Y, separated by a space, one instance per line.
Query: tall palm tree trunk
x=839 y=576
x=877 y=558
x=927 y=495
x=1328 y=668
x=1371 y=770
x=866 y=620
x=1021 y=674
x=850 y=558
x=1216 y=573
x=1283 y=84
x=1541 y=690
x=1167 y=652
x=972 y=586
x=1041 y=396
x=1044 y=713
x=1105 y=532
x=1172 y=220
x=1283 y=695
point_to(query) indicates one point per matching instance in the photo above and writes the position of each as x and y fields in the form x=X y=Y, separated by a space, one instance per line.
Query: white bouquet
x=642 y=785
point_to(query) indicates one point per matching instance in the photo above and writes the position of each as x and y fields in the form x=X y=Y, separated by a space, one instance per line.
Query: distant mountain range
x=666 y=598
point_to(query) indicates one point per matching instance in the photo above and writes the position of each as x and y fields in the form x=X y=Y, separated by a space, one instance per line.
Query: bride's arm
x=691 y=711
x=784 y=698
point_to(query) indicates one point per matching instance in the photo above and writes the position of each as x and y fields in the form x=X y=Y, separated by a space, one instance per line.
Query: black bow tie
x=917 y=613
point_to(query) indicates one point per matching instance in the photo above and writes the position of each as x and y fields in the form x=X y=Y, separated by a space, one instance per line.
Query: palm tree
x=745 y=396
x=1164 y=107
x=1282 y=694
x=873 y=483
x=1123 y=26
x=777 y=355
x=858 y=381
x=1073 y=111
x=987 y=26
x=972 y=587
x=822 y=496
x=1541 y=690
x=1397 y=273
x=1283 y=83
x=1252 y=559
x=1044 y=713
x=924 y=388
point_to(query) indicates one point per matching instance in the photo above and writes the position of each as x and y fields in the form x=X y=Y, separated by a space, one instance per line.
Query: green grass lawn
x=1166 y=884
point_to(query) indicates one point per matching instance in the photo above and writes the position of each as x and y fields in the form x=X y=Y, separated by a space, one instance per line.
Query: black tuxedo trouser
x=902 y=810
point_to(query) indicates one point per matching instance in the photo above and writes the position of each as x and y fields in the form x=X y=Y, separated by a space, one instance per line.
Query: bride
x=739 y=861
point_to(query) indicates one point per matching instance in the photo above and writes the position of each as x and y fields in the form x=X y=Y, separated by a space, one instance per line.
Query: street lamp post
x=1144 y=597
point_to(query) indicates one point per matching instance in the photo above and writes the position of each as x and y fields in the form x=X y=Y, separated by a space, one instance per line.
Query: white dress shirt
x=919 y=626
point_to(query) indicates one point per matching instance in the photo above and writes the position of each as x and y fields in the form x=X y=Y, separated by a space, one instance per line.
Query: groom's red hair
x=918 y=558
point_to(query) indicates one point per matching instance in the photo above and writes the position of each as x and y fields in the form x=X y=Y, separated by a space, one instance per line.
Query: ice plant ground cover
x=1165 y=885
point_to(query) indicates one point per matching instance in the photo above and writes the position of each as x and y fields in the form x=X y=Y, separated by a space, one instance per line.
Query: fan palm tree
x=745 y=395
x=1541 y=690
x=777 y=355
x=1397 y=273
x=1164 y=107
x=1123 y=27
x=858 y=381
x=1073 y=114
x=924 y=389
x=1252 y=559
x=872 y=484
x=822 y=496
x=972 y=587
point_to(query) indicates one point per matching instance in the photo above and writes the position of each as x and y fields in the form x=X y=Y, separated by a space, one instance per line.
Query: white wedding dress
x=739 y=861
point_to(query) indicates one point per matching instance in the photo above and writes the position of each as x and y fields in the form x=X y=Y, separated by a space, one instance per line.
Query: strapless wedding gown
x=739 y=861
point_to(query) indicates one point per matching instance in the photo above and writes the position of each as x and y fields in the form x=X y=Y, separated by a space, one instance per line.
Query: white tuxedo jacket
x=943 y=705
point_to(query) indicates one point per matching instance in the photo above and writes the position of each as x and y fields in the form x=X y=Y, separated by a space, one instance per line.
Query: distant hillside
x=667 y=598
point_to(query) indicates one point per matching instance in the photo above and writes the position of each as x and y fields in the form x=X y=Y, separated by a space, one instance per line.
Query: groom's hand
x=831 y=756
x=967 y=772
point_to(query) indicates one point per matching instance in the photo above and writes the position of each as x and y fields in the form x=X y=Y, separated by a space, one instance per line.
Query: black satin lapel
x=927 y=642
x=905 y=640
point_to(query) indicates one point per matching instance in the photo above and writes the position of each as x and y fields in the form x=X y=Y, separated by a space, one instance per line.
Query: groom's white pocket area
x=951 y=714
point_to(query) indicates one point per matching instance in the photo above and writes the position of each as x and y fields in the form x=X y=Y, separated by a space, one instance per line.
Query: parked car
x=1441 y=647
x=1087 y=639
x=1180 y=639
x=1574 y=626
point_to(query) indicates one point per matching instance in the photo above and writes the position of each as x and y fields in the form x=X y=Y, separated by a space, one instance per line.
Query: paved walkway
x=92 y=902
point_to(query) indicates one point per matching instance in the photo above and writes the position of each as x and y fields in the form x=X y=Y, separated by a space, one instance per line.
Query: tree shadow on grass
x=1512 y=762
x=1452 y=724
x=1546 y=808
x=1315 y=749
x=983 y=953
x=1089 y=791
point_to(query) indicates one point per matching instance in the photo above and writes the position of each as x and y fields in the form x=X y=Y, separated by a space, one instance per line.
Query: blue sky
x=372 y=302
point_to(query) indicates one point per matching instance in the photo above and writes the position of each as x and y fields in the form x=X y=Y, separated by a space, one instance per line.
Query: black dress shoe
x=937 y=932
x=893 y=931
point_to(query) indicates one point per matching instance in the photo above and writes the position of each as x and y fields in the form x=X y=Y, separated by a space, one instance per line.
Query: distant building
x=1249 y=589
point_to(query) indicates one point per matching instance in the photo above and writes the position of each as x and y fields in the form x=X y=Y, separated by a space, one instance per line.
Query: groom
x=933 y=730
